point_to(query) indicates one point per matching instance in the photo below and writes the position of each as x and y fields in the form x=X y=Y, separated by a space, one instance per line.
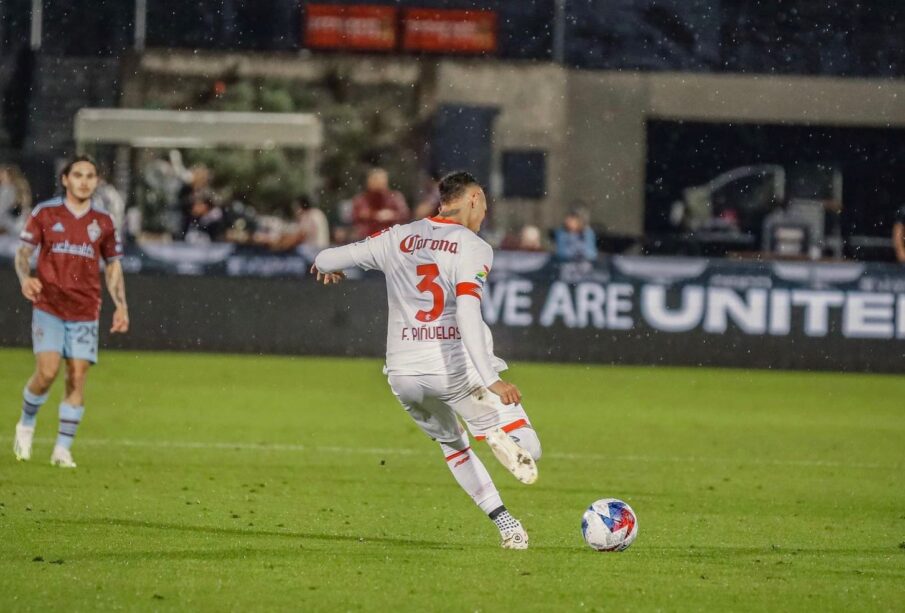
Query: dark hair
x=304 y=201
x=453 y=185
x=79 y=158
x=206 y=196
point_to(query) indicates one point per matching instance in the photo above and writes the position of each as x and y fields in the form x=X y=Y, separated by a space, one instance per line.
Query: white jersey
x=428 y=264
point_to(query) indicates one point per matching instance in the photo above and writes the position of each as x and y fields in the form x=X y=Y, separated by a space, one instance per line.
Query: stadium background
x=260 y=481
x=616 y=106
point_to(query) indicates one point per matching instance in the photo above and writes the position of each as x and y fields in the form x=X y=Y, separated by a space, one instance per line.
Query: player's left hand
x=120 y=321
x=508 y=392
x=328 y=277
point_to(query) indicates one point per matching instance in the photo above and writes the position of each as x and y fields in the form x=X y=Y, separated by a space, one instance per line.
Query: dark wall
x=685 y=154
x=835 y=37
x=230 y=315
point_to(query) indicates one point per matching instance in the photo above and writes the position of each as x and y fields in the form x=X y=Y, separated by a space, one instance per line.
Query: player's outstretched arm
x=31 y=286
x=367 y=255
x=116 y=285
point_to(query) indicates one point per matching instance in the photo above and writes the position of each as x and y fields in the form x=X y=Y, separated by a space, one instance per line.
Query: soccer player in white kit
x=440 y=362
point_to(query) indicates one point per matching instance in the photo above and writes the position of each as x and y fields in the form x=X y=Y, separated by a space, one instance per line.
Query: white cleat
x=22 y=442
x=61 y=457
x=514 y=538
x=518 y=461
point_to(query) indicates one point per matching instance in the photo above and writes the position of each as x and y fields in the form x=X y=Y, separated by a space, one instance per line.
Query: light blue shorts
x=71 y=339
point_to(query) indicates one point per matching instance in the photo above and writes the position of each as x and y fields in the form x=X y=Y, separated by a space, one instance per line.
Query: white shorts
x=436 y=402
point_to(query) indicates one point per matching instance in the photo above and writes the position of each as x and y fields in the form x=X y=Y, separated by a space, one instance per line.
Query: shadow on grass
x=288 y=534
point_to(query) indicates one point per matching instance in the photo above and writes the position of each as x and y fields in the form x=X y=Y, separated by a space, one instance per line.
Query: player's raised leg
x=71 y=411
x=506 y=429
x=514 y=457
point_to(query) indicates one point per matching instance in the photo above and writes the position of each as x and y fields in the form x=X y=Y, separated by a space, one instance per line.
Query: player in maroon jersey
x=74 y=235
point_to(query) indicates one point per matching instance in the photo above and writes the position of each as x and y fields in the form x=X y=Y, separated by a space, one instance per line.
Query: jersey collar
x=443 y=220
x=73 y=213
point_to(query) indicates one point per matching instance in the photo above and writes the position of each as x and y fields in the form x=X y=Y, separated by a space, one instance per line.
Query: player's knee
x=45 y=375
x=527 y=440
x=454 y=445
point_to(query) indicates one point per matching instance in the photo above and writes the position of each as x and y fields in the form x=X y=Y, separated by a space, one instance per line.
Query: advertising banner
x=449 y=31
x=356 y=27
x=619 y=310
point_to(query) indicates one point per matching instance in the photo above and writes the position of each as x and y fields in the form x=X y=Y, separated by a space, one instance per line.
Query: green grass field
x=242 y=483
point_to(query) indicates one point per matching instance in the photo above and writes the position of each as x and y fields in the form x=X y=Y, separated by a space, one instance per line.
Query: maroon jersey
x=69 y=259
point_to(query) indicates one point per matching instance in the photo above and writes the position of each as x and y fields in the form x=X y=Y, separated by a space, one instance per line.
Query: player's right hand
x=31 y=288
x=507 y=392
x=328 y=277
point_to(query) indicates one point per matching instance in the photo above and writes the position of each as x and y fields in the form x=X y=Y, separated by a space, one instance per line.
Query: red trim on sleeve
x=468 y=289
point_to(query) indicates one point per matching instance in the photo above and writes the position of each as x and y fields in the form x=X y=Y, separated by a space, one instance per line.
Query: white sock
x=471 y=474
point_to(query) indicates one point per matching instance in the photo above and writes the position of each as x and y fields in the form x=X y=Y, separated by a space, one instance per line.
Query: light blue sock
x=30 y=406
x=70 y=417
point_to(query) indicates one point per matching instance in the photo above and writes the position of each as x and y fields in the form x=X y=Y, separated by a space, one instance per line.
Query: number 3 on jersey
x=428 y=284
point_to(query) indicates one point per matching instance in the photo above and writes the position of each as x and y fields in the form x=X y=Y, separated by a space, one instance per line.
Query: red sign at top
x=449 y=31
x=357 y=27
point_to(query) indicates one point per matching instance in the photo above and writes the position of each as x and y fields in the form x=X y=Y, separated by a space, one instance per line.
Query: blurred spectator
x=898 y=235
x=308 y=228
x=343 y=230
x=240 y=221
x=527 y=238
x=429 y=205
x=206 y=221
x=378 y=207
x=160 y=213
x=575 y=240
x=197 y=179
x=111 y=201
x=530 y=239
x=15 y=199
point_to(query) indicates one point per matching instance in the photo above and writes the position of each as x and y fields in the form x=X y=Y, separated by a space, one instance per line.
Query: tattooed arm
x=116 y=285
x=31 y=286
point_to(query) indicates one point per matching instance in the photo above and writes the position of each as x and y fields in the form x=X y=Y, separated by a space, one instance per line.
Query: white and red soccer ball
x=609 y=525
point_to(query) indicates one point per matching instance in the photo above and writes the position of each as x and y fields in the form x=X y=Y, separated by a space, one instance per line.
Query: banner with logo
x=354 y=27
x=625 y=310
x=843 y=316
x=449 y=31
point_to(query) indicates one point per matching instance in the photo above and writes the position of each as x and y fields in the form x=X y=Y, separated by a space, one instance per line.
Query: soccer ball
x=609 y=525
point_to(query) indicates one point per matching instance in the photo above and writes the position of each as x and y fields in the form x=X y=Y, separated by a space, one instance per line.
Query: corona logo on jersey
x=414 y=242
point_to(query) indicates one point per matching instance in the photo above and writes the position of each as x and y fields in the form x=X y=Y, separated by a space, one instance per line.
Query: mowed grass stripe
x=577 y=457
